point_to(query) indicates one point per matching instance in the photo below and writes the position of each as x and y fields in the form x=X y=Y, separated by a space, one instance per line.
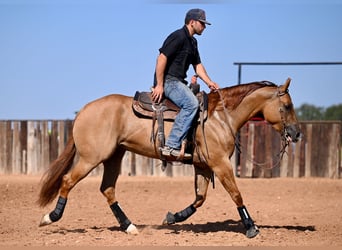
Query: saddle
x=144 y=107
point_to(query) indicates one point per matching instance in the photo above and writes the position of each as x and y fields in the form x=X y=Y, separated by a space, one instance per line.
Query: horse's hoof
x=170 y=219
x=131 y=229
x=252 y=232
x=45 y=220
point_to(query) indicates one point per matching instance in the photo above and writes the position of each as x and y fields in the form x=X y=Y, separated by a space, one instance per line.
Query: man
x=179 y=50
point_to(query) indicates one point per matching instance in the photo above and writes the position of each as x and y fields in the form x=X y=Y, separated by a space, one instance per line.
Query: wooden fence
x=28 y=147
x=317 y=154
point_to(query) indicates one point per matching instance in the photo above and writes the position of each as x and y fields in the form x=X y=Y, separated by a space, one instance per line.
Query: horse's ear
x=286 y=85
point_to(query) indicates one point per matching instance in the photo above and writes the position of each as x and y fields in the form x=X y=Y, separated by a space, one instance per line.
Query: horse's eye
x=288 y=106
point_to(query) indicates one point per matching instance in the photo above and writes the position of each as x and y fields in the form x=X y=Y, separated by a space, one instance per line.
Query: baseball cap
x=197 y=15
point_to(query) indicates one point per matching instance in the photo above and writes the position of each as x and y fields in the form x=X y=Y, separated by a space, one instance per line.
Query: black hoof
x=252 y=232
x=170 y=219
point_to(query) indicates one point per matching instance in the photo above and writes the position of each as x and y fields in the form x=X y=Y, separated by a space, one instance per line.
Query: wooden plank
x=189 y=170
x=157 y=168
x=296 y=160
x=54 y=138
x=16 y=150
x=9 y=143
x=301 y=159
x=61 y=137
x=284 y=164
x=241 y=160
x=23 y=145
x=128 y=163
x=3 y=144
x=45 y=146
x=249 y=153
x=321 y=164
x=276 y=147
x=177 y=169
x=32 y=160
x=290 y=153
x=334 y=151
x=308 y=149
x=258 y=155
x=269 y=152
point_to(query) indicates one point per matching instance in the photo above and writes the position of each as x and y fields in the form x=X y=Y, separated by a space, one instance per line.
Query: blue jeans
x=183 y=97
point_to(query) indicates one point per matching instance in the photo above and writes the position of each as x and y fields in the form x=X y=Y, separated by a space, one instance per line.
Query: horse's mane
x=234 y=95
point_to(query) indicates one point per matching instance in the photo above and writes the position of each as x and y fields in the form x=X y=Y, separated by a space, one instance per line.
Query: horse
x=106 y=128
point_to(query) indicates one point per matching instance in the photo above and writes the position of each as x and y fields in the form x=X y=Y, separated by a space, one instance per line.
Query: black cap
x=197 y=15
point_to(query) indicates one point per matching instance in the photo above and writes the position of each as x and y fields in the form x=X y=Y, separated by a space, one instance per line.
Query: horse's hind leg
x=110 y=175
x=77 y=173
x=202 y=178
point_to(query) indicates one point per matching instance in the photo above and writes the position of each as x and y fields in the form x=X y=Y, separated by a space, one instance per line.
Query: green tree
x=310 y=112
x=333 y=112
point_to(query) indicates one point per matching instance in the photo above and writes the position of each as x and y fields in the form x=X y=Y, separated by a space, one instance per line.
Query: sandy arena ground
x=288 y=212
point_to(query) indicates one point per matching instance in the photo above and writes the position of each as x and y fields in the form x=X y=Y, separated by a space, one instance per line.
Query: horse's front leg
x=224 y=172
x=202 y=177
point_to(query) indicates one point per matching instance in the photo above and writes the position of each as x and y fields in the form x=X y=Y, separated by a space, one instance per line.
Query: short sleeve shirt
x=181 y=50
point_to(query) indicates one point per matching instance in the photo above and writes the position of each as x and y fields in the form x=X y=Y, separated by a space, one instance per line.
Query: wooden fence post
x=32 y=160
x=16 y=149
x=3 y=155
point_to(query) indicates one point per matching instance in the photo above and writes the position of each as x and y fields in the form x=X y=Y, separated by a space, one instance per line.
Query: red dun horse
x=105 y=128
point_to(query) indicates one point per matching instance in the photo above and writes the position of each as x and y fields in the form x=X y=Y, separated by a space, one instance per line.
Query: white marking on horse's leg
x=132 y=229
x=45 y=220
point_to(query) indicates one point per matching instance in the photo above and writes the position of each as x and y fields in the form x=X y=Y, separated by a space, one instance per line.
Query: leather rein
x=285 y=142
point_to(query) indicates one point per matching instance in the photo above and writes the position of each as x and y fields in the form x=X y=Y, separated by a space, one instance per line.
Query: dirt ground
x=288 y=212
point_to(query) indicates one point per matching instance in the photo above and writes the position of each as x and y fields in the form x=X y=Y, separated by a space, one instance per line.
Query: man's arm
x=202 y=73
x=157 y=92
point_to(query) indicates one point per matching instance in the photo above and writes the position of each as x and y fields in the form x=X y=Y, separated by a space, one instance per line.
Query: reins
x=285 y=143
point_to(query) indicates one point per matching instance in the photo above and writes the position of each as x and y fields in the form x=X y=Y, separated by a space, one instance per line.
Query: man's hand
x=213 y=86
x=157 y=93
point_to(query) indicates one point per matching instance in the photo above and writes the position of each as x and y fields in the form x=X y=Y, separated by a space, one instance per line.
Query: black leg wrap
x=56 y=214
x=180 y=216
x=120 y=216
x=247 y=221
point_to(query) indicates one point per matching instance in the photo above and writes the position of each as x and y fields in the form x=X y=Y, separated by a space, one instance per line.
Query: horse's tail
x=52 y=179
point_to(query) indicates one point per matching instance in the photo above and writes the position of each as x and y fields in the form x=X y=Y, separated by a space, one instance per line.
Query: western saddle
x=144 y=107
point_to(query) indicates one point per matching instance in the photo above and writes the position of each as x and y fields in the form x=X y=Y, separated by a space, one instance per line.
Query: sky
x=58 y=55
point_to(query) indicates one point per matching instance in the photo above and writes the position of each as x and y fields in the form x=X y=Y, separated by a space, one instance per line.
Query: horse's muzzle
x=292 y=133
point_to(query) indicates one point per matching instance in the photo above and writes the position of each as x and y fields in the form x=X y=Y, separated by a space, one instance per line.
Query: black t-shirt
x=181 y=51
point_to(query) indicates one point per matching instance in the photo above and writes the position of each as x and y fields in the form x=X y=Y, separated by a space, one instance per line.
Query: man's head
x=195 y=21
x=196 y=15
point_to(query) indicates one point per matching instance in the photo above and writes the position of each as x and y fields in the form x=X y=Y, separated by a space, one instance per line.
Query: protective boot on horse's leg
x=202 y=178
x=111 y=172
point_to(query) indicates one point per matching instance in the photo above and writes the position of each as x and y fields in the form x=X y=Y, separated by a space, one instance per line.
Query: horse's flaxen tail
x=52 y=179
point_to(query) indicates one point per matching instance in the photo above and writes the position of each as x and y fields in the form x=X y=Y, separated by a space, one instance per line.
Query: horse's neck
x=250 y=106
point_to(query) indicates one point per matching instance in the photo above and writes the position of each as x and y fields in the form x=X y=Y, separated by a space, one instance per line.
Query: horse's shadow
x=209 y=227
x=219 y=226
x=227 y=226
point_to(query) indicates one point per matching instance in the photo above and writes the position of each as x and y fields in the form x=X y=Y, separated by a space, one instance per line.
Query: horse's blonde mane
x=234 y=95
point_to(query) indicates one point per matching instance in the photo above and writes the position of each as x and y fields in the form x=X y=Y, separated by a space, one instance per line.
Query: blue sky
x=56 y=56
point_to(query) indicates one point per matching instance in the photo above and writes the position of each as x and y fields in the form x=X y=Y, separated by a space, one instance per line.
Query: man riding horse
x=179 y=50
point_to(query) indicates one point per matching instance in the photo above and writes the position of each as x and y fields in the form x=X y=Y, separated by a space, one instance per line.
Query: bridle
x=285 y=142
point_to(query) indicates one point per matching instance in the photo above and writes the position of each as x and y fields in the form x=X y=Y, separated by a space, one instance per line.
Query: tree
x=310 y=112
x=333 y=112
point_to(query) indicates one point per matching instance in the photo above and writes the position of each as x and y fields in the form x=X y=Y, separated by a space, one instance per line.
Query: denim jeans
x=183 y=97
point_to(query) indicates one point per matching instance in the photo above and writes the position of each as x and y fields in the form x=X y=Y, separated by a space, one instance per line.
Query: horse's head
x=279 y=112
